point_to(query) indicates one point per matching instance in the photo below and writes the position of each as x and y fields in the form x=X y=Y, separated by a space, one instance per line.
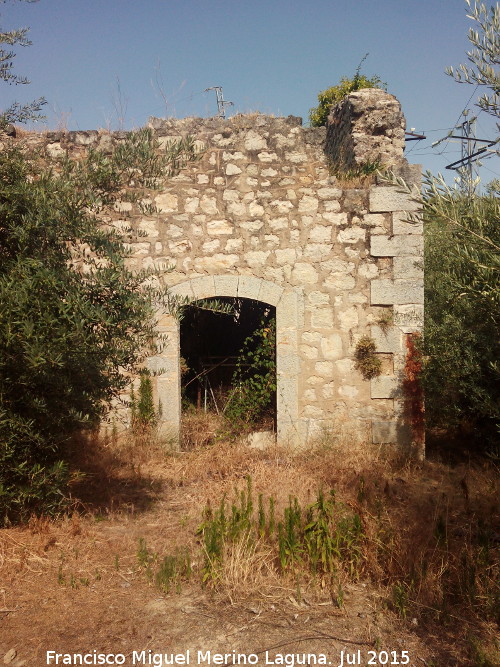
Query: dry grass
x=199 y=429
x=248 y=566
x=430 y=542
x=355 y=182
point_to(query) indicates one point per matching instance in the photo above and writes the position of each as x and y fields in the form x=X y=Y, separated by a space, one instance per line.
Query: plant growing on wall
x=326 y=98
x=366 y=360
x=254 y=381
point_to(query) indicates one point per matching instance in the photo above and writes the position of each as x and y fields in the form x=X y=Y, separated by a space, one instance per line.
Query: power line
x=462 y=113
x=493 y=172
x=466 y=166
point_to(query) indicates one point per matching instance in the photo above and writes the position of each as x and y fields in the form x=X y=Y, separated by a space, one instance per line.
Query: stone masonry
x=260 y=216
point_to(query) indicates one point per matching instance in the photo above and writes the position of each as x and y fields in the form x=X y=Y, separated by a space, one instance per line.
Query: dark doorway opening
x=225 y=357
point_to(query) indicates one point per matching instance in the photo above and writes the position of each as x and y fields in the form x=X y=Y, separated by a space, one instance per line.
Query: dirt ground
x=76 y=586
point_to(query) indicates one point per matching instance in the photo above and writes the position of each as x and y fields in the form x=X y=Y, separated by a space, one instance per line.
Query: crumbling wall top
x=366 y=127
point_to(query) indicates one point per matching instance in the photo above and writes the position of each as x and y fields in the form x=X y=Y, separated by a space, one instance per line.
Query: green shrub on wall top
x=326 y=98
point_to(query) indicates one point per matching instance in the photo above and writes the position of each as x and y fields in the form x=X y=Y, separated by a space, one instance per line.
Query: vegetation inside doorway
x=228 y=370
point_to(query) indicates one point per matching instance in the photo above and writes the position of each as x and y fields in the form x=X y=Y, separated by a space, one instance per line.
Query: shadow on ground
x=107 y=479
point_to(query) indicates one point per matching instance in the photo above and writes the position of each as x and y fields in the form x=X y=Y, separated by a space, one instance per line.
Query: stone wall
x=260 y=216
x=367 y=127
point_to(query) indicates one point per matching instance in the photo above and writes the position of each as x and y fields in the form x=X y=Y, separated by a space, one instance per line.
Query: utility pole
x=221 y=102
x=470 y=154
x=468 y=172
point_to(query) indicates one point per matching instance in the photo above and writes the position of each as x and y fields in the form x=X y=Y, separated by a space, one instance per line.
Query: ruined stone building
x=261 y=216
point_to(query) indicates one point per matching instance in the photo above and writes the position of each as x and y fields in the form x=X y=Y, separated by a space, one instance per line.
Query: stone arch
x=289 y=319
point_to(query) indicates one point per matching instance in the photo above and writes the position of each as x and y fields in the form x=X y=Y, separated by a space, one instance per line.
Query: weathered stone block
x=309 y=352
x=330 y=193
x=385 y=292
x=256 y=258
x=266 y=156
x=304 y=273
x=317 y=251
x=322 y=318
x=270 y=293
x=219 y=228
x=324 y=368
x=254 y=141
x=409 y=318
x=409 y=267
x=216 y=263
x=384 y=432
x=348 y=391
x=331 y=346
x=308 y=204
x=236 y=208
x=395 y=246
x=349 y=318
x=391 y=199
x=320 y=234
x=226 y=285
x=286 y=256
x=403 y=224
x=287 y=363
x=249 y=287
x=166 y=203
x=55 y=150
x=210 y=246
x=387 y=339
x=204 y=287
x=351 y=235
x=340 y=281
x=384 y=386
x=336 y=219
x=291 y=313
x=368 y=270
x=296 y=158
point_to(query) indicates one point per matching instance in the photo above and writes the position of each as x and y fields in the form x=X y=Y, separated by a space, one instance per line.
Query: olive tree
x=74 y=320
x=484 y=57
x=16 y=113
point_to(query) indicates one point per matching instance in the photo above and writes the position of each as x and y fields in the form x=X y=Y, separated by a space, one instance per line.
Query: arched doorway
x=289 y=319
x=228 y=369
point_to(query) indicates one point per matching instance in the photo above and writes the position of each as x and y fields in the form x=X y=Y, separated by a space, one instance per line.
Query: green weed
x=318 y=539
x=168 y=572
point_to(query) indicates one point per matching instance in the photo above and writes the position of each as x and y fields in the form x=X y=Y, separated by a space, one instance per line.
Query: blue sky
x=114 y=63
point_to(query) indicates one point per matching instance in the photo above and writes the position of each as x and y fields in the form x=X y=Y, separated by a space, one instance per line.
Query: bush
x=462 y=297
x=326 y=98
x=73 y=319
